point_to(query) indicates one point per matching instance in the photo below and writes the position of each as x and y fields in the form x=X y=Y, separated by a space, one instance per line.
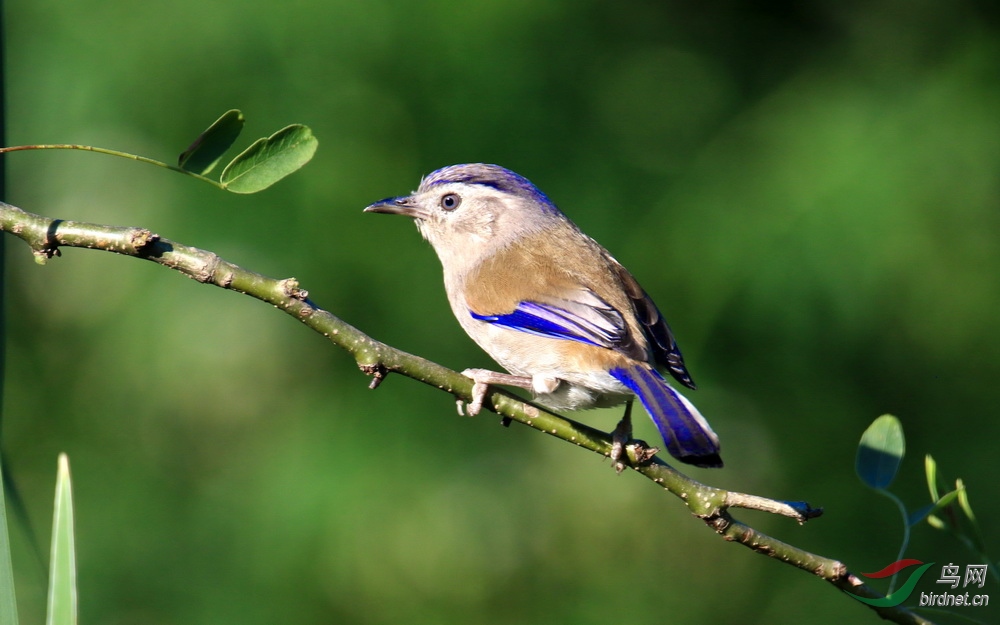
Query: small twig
x=712 y=505
x=801 y=511
x=377 y=372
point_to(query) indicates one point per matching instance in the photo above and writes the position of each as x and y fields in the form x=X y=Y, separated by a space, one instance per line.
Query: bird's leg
x=621 y=436
x=482 y=378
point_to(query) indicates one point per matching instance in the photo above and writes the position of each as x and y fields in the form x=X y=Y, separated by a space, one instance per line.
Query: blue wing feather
x=575 y=321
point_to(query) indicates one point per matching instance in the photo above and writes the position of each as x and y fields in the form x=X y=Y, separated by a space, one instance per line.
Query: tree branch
x=45 y=235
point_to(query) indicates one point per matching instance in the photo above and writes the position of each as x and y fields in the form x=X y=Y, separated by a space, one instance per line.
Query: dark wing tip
x=666 y=353
x=708 y=461
x=675 y=365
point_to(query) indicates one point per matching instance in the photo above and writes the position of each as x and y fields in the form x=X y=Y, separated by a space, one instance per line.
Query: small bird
x=551 y=305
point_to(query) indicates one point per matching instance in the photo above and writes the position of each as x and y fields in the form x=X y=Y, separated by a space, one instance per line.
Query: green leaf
x=963 y=503
x=62 y=570
x=204 y=153
x=930 y=468
x=8 y=600
x=269 y=160
x=880 y=452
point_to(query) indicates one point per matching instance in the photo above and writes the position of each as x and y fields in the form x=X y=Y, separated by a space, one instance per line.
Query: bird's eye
x=450 y=201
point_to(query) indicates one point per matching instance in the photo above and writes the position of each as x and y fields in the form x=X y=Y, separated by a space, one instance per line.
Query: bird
x=554 y=308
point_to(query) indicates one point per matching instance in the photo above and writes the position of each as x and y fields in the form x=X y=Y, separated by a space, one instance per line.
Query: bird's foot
x=621 y=440
x=482 y=378
x=642 y=452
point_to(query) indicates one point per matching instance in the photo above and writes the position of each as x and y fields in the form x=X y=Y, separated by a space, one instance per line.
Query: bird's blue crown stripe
x=494 y=176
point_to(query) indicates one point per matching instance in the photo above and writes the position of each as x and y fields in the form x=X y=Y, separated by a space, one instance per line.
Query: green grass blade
x=8 y=602
x=62 y=571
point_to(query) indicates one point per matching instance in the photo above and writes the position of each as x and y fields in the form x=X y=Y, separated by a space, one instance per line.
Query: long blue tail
x=685 y=432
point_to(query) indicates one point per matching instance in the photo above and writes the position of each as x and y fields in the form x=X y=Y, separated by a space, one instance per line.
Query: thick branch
x=712 y=505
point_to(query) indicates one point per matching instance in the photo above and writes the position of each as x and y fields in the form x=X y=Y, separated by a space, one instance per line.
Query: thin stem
x=906 y=535
x=90 y=148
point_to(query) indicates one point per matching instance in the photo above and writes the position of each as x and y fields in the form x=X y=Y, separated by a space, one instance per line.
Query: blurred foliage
x=810 y=191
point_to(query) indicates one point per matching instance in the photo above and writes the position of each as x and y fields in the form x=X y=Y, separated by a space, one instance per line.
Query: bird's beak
x=398 y=206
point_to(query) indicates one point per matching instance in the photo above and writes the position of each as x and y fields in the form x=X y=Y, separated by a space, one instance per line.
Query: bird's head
x=469 y=211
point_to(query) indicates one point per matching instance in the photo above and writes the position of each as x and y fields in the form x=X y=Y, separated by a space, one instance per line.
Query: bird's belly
x=581 y=369
x=592 y=393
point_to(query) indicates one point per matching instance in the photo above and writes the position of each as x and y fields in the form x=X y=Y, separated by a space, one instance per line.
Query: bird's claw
x=479 y=389
x=621 y=440
x=642 y=453
x=620 y=437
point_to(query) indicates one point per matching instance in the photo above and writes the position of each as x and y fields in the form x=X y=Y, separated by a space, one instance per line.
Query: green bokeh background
x=810 y=191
